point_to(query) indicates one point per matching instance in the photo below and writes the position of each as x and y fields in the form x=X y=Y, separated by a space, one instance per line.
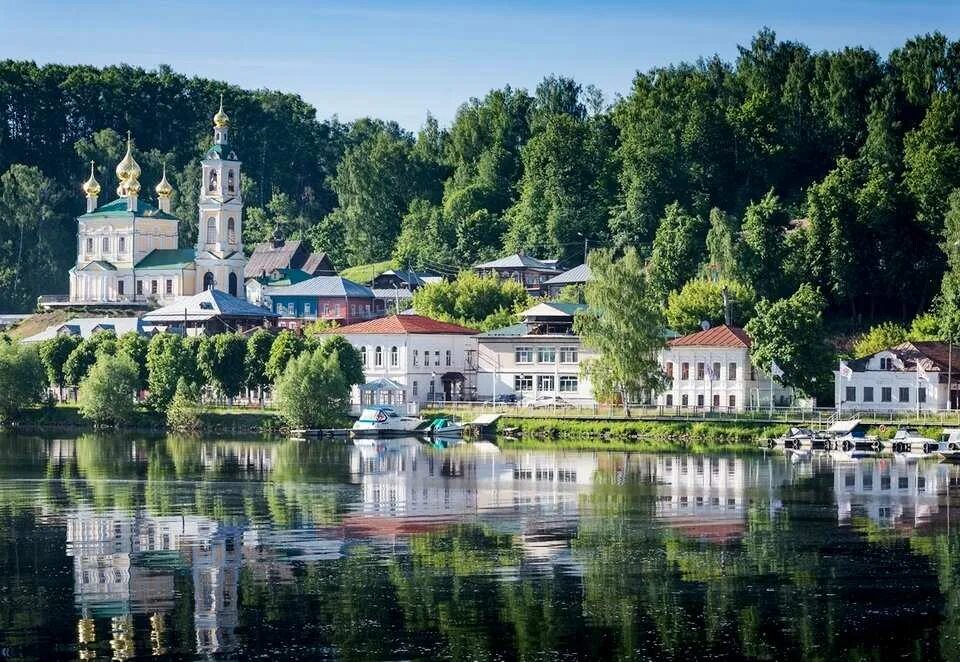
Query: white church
x=128 y=250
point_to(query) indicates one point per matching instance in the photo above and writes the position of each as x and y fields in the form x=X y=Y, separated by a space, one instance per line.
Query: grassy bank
x=217 y=421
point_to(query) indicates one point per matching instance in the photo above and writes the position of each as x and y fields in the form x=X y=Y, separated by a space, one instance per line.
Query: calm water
x=117 y=547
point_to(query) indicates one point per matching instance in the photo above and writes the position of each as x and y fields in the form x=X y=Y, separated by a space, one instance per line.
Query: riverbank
x=220 y=420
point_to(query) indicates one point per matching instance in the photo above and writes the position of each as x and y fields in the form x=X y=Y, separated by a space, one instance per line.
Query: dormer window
x=886 y=363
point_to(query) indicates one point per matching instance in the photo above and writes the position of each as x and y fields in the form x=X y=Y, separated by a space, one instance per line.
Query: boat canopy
x=844 y=427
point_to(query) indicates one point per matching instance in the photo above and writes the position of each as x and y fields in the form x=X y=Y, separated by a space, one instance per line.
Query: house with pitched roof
x=209 y=312
x=328 y=298
x=905 y=377
x=280 y=253
x=413 y=359
x=711 y=370
x=538 y=357
x=579 y=275
x=529 y=271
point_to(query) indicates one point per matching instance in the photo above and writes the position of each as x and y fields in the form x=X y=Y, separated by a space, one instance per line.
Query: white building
x=411 y=358
x=128 y=249
x=538 y=357
x=888 y=380
x=712 y=370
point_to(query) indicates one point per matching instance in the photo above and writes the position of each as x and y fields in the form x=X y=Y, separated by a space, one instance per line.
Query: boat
x=850 y=434
x=384 y=419
x=909 y=443
x=796 y=437
x=949 y=444
x=445 y=427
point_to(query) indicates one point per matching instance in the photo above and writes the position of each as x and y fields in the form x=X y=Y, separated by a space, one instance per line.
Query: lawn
x=364 y=273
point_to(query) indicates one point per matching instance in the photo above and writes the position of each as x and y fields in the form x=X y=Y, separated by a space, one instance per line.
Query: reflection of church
x=128 y=250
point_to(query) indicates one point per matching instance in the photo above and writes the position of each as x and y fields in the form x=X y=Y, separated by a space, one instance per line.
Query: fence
x=789 y=415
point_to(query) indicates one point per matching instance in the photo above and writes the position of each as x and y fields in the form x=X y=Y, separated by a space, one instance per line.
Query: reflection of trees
x=107 y=464
x=305 y=483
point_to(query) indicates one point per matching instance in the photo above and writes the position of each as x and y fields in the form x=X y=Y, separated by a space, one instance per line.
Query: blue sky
x=399 y=60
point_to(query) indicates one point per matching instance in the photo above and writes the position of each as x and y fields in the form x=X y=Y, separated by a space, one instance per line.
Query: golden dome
x=132 y=186
x=164 y=189
x=128 y=168
x=220 y=120
x=91 y=187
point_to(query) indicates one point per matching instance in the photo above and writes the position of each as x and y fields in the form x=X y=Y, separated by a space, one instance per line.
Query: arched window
x=232 y=284
x=211 y=230
x=212 y=186
x=231 y=231
x=394 y=357
x=363 y=356
x=208 y=280
x=231 y=183
x=378 y=357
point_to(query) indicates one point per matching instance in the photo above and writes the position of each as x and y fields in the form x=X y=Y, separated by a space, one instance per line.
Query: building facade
x=128 y=251
x=528 y=271
x=537 y=358
x=889 y=380
x=411 y=358
x=325 y=298
x=712 y=370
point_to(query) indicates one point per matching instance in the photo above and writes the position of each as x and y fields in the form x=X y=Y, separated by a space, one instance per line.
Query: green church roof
x=118 y=208
x=97 y=265
x=167 y=258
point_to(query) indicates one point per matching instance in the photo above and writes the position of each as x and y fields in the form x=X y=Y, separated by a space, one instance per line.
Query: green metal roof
x=287 y=277
x=118 y=208
x=167 y=258
x=224 y=152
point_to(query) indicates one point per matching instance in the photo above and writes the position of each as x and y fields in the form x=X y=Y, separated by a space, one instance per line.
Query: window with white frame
x=106 y=245
x=523 y=355
x=363 y=355
x=904 y=394
x=546 y=355
x=416 y=358
x=522 y=383
x=307 y=309
x=89 y=245
x=545 y=383
x=569 y=355
x=394 y=357
x=436 y=358
x=122 y=245
x=851 y=394
x=414 y=387
x=668 y=369
x=700 y=371
x=378 y=357
x=684 y=371
x=732 y=371
x=569 y=383
x=886 y=394
x=449 y=358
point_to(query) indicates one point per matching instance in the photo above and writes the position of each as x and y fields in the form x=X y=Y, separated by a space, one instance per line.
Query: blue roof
x=322 y=286
x=575 y=276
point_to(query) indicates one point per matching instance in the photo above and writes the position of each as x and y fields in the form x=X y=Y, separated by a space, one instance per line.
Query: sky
x=401 y=60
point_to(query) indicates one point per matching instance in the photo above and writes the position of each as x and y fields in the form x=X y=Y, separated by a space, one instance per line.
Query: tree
x=878 y=338
x=53 y=355
x=184 y=412
x=221 y=361
x=677 y=250
x=134 y=346
x=623 y=324
x=312 y=392
x=286 y=345
x=82 y=358
x=169 y=358
x=790 y=333
x=348 y=358
x=471 y=299
x=723 y=245
x=948 y=303
x=425 y=237
x=21 y=379
x=702 y=300
x=255 y=360
x=762 y=255
x=107 y=392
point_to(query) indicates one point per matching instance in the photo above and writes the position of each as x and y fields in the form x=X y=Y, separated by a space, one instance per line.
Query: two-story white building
x=712 y=370
x=412 y=358
x=888 y=380
x=539 y=357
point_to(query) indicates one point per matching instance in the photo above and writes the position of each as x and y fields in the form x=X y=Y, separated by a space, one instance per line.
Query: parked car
x=551 y=401
x=503 y=398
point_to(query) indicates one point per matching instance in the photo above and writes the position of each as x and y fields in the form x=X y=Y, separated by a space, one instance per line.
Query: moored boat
x=384 y=419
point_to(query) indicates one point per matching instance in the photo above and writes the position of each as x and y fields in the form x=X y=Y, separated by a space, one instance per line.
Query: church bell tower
x=219 y=255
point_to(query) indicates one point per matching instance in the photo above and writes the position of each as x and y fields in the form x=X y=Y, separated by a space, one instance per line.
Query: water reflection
x=122 y=547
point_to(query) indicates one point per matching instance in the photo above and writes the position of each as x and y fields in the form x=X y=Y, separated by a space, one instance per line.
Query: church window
x=169 y=286
x=120 y=287
x=122 y=245
x=89 y=244
x=140 y=287
x=153 y=287
x=394 y=357
x=231 y=184
x=106 y=244
x=231 y=231
x=378 y=357
x=232 y=284
x=211 y=230
x=208 y=280
x=212 y=186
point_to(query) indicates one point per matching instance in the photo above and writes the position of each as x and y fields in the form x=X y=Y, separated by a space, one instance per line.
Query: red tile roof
x=718 y=336
x=404 y=324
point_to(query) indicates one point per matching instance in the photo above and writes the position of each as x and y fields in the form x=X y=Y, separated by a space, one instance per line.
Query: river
x=129 y=546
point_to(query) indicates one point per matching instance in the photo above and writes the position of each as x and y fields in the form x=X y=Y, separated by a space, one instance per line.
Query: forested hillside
x=784 y=167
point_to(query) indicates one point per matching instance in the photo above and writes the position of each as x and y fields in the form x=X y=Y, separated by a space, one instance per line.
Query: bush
x=185 y=412
x=22 y=379
x=312 y=391
x=107 y=392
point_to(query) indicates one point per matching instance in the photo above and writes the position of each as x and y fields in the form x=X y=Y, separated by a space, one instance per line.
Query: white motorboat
x=909 y=443
x=384 y=419
x=849 y=434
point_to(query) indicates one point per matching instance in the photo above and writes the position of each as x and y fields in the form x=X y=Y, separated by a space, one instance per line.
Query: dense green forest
x=784 y=167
